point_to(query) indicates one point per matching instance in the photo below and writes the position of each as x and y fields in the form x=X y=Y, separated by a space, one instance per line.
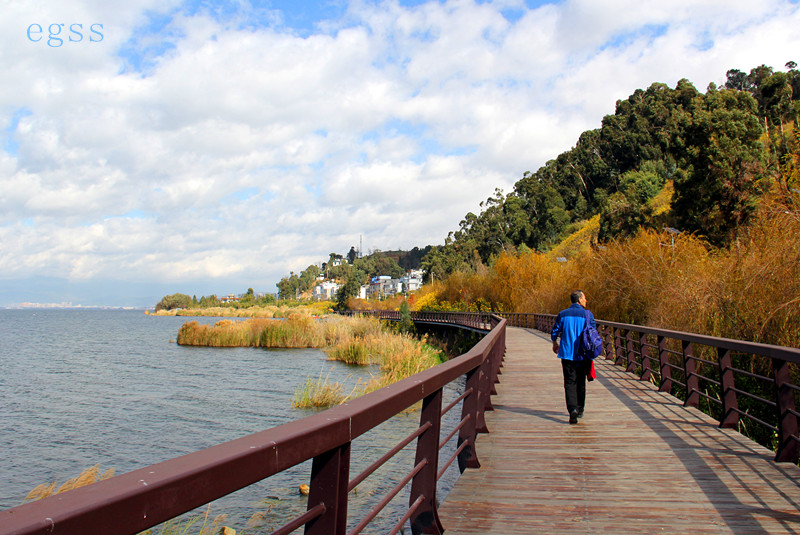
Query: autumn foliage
x=749 y=290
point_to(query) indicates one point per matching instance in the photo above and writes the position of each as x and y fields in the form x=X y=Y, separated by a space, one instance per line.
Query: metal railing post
x=788 y=446
x=619 y=357
x=647 y=371
x=330 y=474
x=730 y=404
x=468 y=458
x=425 y=519
x=608 y=337
x=666 y=370
x=485 y=385
x=631 y=354
x=690 y=375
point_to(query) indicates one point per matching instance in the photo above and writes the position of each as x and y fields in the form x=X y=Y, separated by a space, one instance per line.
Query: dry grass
x=297 y=331
x=359 y=340
x=755 y=294
x=87 y=477
x=353 y=351
x=180 y=526
x=185 y=526
x=318 y=393
x=749 y=291
x=399 y=356
x=578 y=241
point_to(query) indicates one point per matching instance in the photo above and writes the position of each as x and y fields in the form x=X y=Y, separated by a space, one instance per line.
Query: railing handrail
x=473 y=320
x=137 y=500
x=790 y=354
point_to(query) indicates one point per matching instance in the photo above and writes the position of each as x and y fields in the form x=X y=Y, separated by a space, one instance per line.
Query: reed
x=363 y=341
x=87 y=477
x=318 y=393
x=360 y=340
x=189 y=525
x=298 y=330
x=399 y=356
x=352 y=351
x=176 y=526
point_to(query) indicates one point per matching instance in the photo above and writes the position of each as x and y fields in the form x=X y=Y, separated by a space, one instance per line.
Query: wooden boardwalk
x=638 y=462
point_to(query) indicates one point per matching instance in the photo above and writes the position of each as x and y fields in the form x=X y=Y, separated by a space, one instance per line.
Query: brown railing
x=739 y=381
x=480 y=321
x=132 y=502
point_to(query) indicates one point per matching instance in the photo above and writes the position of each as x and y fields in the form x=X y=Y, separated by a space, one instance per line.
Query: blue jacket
x=569 y=324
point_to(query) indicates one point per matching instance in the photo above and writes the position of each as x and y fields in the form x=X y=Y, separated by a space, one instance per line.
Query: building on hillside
x=383 y=286
x=412 y=280
x=325 y=290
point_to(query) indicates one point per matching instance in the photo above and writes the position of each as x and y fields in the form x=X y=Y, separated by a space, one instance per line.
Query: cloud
x=217 y=142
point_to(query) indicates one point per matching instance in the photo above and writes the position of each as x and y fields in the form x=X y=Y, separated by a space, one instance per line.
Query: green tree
x=289 y=287
x=405 y=325
x=725 y=175
x=628 y=209
x=209 y=301
x=174 y=301
x=378 y=264
x=346 y=291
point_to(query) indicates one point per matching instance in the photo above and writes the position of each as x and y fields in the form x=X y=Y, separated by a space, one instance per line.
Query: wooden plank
x=638 y=462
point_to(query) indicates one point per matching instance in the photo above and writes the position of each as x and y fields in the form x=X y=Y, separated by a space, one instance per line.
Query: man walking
x=569 y=325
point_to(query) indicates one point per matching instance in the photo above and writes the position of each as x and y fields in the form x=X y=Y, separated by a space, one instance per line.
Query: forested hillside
x=721 y=151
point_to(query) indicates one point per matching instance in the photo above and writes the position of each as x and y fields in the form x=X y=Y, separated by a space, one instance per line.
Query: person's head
x=578 y=297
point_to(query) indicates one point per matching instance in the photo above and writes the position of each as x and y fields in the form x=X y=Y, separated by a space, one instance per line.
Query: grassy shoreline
x=360 y=340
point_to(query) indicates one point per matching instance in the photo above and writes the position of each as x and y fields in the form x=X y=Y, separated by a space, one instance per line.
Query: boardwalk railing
x=132 y=502
x=479 y=321
x=741 y=382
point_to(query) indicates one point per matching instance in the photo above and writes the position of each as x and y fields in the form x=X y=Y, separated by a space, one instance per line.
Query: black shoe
x=573 y=417
x=580 y=413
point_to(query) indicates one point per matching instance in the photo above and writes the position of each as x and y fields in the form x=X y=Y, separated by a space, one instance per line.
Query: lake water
x=86 y=387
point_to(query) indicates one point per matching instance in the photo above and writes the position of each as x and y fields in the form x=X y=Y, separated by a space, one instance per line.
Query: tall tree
x=719 y=189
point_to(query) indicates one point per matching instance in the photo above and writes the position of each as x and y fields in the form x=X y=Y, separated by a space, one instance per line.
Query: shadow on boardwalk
x=638 y=462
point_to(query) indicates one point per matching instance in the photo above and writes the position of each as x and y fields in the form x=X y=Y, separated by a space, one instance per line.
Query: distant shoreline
x=250 y=312
x=37 y=306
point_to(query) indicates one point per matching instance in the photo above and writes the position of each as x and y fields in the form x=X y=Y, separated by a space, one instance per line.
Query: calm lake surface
x=87 y=387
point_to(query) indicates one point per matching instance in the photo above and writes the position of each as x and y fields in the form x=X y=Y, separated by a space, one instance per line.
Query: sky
x=207 y=147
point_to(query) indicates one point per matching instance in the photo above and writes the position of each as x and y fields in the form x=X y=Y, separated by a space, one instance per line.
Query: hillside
x=719 y=152
x=682 y=212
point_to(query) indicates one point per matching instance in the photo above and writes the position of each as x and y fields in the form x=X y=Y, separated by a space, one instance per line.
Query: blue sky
x=208 y=147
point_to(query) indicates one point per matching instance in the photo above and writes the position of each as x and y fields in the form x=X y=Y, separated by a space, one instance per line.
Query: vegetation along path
x=638 y=462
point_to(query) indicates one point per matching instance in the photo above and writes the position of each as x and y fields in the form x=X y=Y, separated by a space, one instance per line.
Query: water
x=89 y=387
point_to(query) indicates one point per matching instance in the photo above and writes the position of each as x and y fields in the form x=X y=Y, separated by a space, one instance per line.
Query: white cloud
x=241 y=152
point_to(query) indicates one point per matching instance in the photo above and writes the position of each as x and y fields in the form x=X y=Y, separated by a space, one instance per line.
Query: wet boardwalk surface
x=638 y=462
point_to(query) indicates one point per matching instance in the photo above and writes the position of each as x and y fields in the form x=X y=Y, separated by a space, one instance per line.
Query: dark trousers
x=574 y=384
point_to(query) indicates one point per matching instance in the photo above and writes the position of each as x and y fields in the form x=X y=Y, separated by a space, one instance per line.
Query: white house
x=325 y=290
x=412 y=280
